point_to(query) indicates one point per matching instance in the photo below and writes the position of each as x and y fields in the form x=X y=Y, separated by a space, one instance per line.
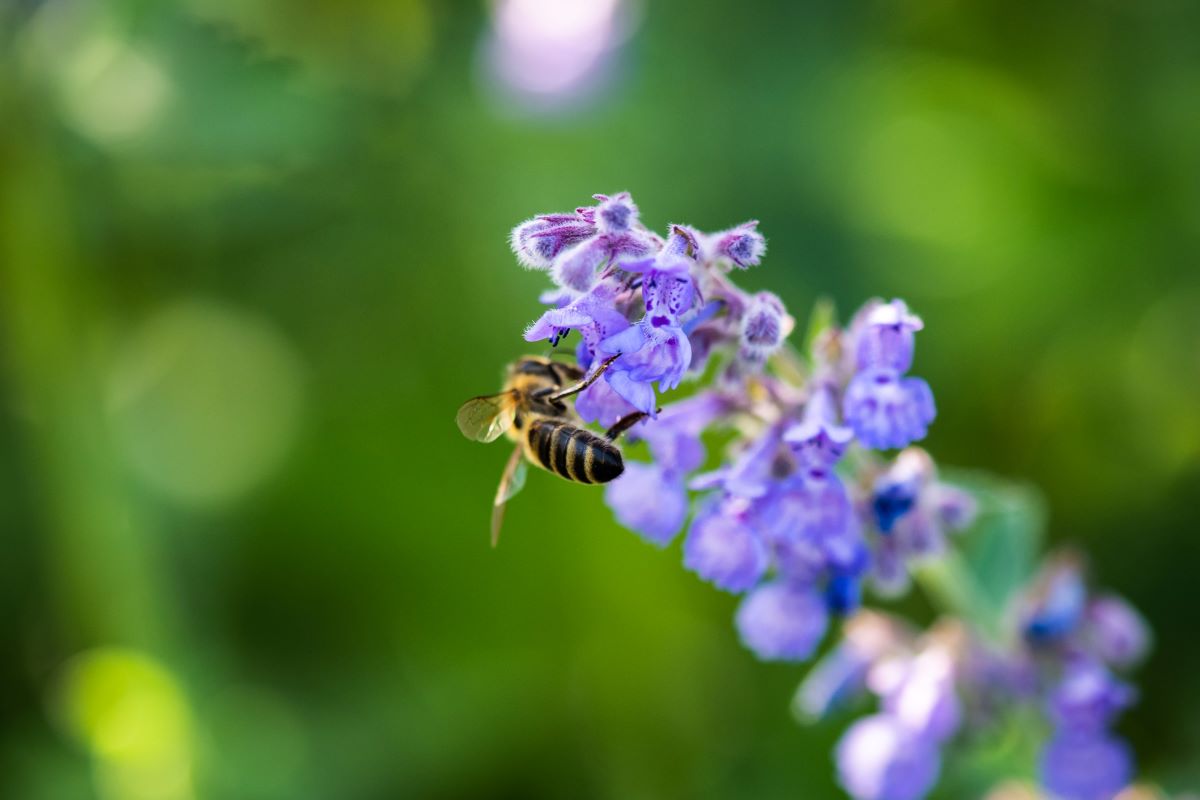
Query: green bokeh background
x=253 y=255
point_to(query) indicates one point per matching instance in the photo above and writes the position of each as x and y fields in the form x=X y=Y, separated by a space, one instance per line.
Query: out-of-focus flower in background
x=548 y=55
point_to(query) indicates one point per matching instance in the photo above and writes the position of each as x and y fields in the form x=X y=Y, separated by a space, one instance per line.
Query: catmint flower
x=1085 y=767
x=814 y=508
x=648 y=354
x=601 y=403
x=782 y=621
x=887 y=410
x=921 y=694
x=723 y=547
x=890 y=501
x=1116 y=631
x=897 y=490
x=818 y=440
x=752 y=473
x=743 y=245
x=1055 y=607
x=674 y=437
x=795 y=558
x=889 y=568
x=843 y=593
x=638 y=394
x=615 y=214
x=592 y=314
x=880 y=759
x=912 y=509
x=885 y=340
x=537 y=242
x=797 y=526
x=576 y=268
x=765 y=324
x=667 y=286
x=649 y=500
x=832 y=683
x=652 y=498
x=1088 y=699
x=574 y=247
x=841 y=675
x=655 y=349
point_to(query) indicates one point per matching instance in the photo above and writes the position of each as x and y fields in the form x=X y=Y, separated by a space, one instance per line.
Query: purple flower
x=674 y=437
x=656 y=349
x=887 y=410
x=832 y=683
x=890 y=501
x=879 y=759
x=783 y=522
x=885 y=340
x=601 y=403
x=889 y=569
x=840 y=676
x=616 y=214
x=638 y=393
x=1088 y=699
x=752 y=474
x=538 y=241
x=649 y=500
x=668 y=289
x=765 y=324
x=818 y=440
x=884 y=408
x=743 y=245
x=1055 y=607
x=575 y=246
x=899 y=490
x=1089 y=767
x=648 y=354
x=813 y=514
x=843 y=594
x=723 y=548
x=912 y=509
x=593 y=314
x=782 y=621
x=922 y=697
x=797 y=559
x=1117 y=631
x=575 y=268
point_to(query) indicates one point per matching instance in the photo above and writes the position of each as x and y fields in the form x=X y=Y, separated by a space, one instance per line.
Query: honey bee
x=531 y=412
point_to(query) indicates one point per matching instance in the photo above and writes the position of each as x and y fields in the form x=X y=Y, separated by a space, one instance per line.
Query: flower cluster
x=633 y=294
x=1073 y=643
x=809 y=504
x=1059 y=656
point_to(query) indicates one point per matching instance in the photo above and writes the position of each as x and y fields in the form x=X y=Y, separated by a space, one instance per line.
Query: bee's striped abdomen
x=573 y=453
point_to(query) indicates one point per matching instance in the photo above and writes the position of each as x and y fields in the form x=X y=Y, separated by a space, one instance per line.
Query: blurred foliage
x=252 y=256
x=986 y=568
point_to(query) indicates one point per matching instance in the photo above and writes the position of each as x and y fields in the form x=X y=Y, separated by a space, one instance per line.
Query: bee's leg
x=583 y=384
x=625 y=423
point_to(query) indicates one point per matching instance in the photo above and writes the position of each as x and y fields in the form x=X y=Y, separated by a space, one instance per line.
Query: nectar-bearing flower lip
x=819 y=505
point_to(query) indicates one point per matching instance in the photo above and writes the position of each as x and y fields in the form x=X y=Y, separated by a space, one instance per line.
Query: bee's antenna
x=586 y=382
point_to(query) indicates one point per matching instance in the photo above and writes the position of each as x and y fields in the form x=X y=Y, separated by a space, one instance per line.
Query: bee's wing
x=510 y=483
x=485 y=418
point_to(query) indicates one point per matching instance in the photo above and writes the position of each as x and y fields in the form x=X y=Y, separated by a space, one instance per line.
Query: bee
x=530 y=411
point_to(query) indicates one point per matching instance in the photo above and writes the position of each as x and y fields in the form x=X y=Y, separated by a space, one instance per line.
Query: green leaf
x=991 y=561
